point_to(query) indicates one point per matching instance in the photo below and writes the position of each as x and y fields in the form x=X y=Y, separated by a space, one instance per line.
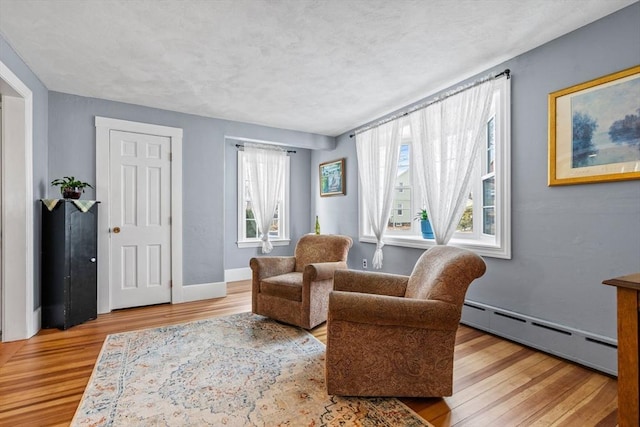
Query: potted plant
x=425 y=224
x=70 y=187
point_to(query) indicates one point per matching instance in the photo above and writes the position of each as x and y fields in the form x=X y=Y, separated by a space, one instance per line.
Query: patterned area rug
x=241 y=370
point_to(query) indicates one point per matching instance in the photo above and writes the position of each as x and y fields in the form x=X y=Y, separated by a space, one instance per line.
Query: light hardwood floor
x=496 y=382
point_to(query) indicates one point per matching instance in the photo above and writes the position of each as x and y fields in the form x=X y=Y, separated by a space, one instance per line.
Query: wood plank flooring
x=496 y=382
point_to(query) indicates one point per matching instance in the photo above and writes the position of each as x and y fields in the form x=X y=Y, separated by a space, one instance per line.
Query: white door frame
x=104 y=126
x=20 y=319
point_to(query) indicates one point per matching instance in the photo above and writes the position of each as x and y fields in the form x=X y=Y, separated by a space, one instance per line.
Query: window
x=247 y=227
x=485 y=224
x=489 y=182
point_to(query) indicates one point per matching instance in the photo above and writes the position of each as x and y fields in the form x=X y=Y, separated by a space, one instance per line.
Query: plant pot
x=71 y=193
x=427 y=231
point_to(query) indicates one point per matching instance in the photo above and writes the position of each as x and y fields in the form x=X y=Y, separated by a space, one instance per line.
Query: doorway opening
x=19 y=317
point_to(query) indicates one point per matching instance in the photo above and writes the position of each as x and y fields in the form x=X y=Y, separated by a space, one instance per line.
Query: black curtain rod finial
x=506 y=72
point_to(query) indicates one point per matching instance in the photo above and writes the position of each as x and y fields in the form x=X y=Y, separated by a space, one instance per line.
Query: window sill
x=258 y=243
x=480 y=248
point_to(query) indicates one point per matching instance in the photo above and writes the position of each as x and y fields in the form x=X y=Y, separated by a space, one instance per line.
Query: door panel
x=82 y=266
x=140 y=238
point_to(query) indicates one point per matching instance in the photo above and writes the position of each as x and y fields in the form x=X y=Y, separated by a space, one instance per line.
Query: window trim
x=502 y=156
x=242 y=241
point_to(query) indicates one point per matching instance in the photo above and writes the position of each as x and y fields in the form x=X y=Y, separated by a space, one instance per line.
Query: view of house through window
x=403 y=218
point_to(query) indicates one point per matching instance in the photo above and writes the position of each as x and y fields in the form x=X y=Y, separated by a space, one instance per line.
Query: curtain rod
x=241 y=148
x=506 y=73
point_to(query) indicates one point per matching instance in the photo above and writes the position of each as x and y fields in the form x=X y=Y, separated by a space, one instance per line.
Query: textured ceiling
x=316 y=66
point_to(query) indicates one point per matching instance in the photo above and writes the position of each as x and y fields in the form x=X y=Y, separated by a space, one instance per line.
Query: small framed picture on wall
x=332 y=178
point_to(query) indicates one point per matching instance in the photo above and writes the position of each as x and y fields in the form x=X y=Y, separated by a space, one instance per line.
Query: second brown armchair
x=295 y=289
x=392 y=335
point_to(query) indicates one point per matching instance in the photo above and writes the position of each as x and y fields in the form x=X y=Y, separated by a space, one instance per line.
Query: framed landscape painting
x=594 y=130
x=332 y=182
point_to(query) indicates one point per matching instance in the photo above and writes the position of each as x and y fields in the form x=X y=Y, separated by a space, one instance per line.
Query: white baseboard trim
x=37 y=321
x=595 y=351
x=237 y=274
x=204 y=291
x=214 y=290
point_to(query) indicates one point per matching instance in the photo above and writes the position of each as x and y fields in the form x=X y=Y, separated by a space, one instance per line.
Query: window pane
x=489 y=221
x=274 y=230
x=489 y=192
x=491 y=144
x=251 y=226
x=404 y=172
x=400 y=218
x=488 y=206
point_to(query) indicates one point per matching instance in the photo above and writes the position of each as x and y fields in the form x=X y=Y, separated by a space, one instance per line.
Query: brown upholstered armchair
x=392 y=335
x=295 y=289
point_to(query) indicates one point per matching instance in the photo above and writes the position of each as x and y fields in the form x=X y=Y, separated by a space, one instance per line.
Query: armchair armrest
x=370 y=283
x=272 y=266
x=393 y=311
x=322 y=270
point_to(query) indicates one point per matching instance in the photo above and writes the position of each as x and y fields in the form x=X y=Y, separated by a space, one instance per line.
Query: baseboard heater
x=591 y=350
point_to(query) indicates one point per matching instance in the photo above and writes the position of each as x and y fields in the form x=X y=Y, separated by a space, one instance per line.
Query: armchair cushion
x=287 y=286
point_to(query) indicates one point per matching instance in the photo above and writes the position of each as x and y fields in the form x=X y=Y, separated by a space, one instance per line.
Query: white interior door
x=140 y=209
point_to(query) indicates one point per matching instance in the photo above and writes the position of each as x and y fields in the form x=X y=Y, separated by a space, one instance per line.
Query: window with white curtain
x=247 y=228
x=485 y=226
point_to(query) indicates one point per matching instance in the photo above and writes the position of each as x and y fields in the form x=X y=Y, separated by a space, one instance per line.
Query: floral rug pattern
x=240 y=370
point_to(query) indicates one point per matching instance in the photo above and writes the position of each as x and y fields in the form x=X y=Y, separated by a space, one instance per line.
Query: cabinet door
x=55 y=267
x=83 y=266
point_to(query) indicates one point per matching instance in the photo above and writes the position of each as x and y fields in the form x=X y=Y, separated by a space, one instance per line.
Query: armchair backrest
x=313 y=248
x=444 y=273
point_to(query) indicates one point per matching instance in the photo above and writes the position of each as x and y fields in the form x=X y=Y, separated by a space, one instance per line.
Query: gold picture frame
x=593 y=130
x=332 y=178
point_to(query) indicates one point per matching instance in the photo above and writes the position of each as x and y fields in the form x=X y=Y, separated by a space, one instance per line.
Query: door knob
x=93 y=260
x=116 y=230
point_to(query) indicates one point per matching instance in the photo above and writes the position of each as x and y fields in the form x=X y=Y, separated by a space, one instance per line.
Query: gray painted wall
x=40 y=152
x=206 y=171
x=567 y=239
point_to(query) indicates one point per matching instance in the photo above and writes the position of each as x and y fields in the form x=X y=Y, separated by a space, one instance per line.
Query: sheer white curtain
x=266 y=169
x=446 y=137
x=378 y=150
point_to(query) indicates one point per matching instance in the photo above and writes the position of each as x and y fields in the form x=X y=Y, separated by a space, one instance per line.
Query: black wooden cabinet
x=69 y=265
